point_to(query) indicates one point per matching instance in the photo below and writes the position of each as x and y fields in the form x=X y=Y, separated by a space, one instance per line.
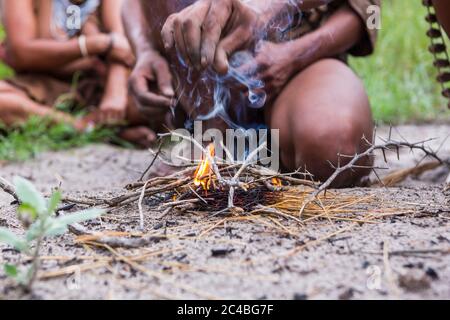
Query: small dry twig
x=8 y=188
x=153 y=161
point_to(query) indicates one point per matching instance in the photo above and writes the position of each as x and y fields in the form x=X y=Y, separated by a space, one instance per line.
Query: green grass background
x=399 y=78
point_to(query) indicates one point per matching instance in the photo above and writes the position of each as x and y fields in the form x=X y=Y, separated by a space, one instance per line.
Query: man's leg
x=322 y=112
x=16 y=107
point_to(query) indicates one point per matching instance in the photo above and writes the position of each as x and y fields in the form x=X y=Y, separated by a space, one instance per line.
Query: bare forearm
x=111 y=15
x=50 y=55
x=136 y=27
x=117 y=81
x=339 y=34
x=270 y=9
x=83 y=64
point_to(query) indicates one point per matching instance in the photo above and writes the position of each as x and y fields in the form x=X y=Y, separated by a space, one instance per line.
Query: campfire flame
x=277 y=182
x=202 y=176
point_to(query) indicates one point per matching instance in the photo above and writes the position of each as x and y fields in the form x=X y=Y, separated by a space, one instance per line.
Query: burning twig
x=206 y=153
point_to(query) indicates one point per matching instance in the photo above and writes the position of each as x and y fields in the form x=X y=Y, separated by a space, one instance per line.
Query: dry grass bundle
x=244 y=190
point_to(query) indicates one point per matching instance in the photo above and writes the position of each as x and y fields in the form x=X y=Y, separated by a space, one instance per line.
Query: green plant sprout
x=38 y=216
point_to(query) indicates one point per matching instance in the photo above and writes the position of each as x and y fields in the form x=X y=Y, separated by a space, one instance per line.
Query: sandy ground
x=245 y=260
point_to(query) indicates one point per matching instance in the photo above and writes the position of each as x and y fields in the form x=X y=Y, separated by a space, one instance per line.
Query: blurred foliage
x=38 y=135
x=400 y=77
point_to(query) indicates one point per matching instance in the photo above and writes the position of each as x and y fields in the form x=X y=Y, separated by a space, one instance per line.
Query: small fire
x=202 y=176
x=276 y=182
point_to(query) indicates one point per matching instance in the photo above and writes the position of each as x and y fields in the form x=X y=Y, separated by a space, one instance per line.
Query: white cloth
x=62 y=14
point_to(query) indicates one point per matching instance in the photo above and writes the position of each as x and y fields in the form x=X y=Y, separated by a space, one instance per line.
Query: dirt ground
x=244 y=259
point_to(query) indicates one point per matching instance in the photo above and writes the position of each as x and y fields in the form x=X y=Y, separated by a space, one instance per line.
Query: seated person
x=443 y=13
x=315 y=100
x=62 y=48
x=438 y=48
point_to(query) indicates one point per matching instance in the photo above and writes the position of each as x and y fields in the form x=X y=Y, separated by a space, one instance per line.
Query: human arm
x=115 y=98
x=27 y=52
x=278 y=63
x=151 y=80
x=209 y=31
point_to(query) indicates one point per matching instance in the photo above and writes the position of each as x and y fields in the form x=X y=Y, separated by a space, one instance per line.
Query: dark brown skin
x=196 y=30
x=318 y=103
x=30 y=48
x=443 y=12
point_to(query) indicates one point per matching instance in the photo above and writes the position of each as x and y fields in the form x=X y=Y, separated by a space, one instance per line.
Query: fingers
x=192 y=37
x=167 y=32
x=226 y=47
x=163 y=79
x=139 y=87
x=110 y=116
x=192 y=31
x=183 y=32
x=130 y=60
x=180 y=43
x=215 y=21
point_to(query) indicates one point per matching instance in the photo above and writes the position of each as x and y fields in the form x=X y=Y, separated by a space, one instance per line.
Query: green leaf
x=10 y=270
x=59 y=225
x=34 y=231
x=80 y=216
x=27 y=214
x=29 y=195
x=13 y=240
x=54 y=201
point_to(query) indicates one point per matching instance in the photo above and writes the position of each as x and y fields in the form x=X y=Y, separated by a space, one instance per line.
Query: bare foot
x=140 y=136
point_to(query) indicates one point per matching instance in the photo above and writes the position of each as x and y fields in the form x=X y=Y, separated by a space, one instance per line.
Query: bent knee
x=320 y=148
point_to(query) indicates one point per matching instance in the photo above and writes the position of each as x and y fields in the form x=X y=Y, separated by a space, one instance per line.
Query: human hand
x=151 y=84
x=209 y=31
x=121 y=50
x=274 y=66
x=276 y=63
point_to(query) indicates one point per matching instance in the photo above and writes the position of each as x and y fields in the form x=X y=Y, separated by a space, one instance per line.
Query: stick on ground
x=8 y=188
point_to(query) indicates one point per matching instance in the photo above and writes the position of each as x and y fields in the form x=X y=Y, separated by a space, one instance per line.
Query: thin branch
x=153 y=161
x=141 y=210
x=387 y=145
x=8 y=188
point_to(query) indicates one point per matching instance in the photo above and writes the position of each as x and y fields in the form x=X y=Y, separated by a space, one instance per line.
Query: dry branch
x=387 y=145
x=8 y=188
x=401 y=175
x=96 y=238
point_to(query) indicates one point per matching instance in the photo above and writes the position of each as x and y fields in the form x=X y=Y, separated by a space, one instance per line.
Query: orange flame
x=202 y=176
x=276 y=182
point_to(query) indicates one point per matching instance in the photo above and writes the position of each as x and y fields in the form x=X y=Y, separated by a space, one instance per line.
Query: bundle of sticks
x=244 y=188
x=217 y=188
